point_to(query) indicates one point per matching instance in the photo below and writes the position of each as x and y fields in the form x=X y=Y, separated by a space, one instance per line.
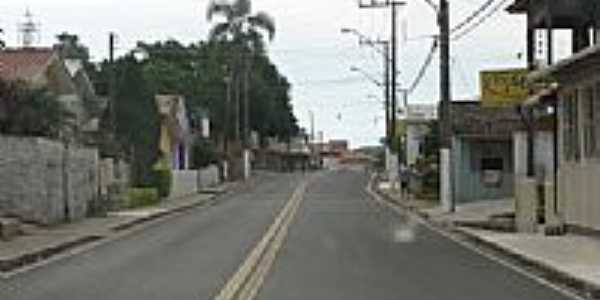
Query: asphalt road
x=344 y=246
x=187 y=257
x=341 y=245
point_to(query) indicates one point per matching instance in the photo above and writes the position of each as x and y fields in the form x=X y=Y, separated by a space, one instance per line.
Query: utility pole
x=312 y=126
x=246 y=131
x=394 y=75
x=386 y=82
x=446 y=182
x=112 y=80
x=394 y=4
x=228 y=79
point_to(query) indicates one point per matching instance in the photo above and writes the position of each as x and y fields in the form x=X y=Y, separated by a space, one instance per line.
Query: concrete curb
x=585 y=288
x=14 y=264
x=580 y=287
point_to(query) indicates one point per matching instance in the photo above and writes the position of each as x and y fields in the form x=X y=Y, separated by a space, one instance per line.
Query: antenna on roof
x=29 y=31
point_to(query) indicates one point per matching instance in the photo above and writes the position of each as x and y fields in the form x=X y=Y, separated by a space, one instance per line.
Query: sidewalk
x=39 y=244
x=413 y=204
x=572 y=257
x=487 y=214
x=571 y=260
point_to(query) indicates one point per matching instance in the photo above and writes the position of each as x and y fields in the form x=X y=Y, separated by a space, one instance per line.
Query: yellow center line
x=248 y=279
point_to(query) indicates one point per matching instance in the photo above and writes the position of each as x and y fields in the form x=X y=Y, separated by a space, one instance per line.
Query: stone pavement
x=41 y=243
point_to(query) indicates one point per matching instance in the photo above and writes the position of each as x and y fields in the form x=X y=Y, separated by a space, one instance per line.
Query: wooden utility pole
x=394 y=45
x=393 y=4
x=112 y=80
x=446 y=182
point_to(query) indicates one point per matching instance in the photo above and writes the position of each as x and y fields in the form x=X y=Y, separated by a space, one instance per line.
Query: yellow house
x=175 y=134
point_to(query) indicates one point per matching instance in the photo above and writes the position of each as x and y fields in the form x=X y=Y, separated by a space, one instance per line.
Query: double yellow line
x=247 y=281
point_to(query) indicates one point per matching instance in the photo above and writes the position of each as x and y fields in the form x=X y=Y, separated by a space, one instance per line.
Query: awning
x=542 y=97
x=583 y=56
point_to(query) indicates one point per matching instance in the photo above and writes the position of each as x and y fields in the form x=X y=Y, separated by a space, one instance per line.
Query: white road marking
x=566 y=292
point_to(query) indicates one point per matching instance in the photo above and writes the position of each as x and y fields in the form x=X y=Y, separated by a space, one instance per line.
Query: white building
x=417 y=119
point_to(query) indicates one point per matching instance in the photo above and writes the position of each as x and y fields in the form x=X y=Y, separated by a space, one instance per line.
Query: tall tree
x=243 y=29
x=240 y=24
x=2 y=43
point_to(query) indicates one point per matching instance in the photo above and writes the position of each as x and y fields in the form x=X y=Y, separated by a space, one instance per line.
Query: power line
x=424 y=67
x=468 y=30
x=472 y=16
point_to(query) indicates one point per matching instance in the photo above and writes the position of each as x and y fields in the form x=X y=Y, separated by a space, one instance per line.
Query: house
x=542 y=188
x=482 y=151
x=65 y=78
x=46 y=181
x=175 y=135
x=576 y=90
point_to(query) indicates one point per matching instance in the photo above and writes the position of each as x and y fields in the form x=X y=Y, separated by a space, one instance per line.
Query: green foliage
x=162 y=178
x=197 y=71
x=69 y=47
x=204 y=153
x=136 y=120
x=240 y=23
x=432 y=140
x=428 y=166
x=141 y=197
x=30 y=111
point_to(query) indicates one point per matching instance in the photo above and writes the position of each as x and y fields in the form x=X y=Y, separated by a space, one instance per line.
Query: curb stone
x=45 y=253
x=585 y=289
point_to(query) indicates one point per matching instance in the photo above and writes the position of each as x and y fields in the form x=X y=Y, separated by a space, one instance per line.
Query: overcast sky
x=309 y=48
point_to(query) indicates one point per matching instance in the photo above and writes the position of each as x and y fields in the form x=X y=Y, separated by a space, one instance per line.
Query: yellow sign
x=503 y=87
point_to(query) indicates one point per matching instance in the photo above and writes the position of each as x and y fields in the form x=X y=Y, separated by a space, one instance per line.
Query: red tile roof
x=24 y=63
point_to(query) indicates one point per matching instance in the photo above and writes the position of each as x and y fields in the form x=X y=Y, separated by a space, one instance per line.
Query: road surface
x=339 y=245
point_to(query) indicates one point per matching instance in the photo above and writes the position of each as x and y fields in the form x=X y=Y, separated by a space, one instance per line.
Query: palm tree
x=2 y=43
x=243 y=29
x=240 y=24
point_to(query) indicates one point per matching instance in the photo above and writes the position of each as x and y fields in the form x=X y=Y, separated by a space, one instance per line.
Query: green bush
x=162 y=178
x=204 y=153
x=140 y=197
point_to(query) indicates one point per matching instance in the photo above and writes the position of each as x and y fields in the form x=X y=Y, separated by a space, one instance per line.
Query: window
x=570 y=126
x=597 y=119
x=492 y=164
x=588 y=114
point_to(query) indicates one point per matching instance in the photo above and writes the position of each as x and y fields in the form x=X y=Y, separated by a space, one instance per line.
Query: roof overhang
x=543 y=97
x=518 y=7
x=583 y=60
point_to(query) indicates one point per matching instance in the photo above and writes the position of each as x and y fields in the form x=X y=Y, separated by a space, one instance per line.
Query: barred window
x=588 y=114
x=597 y=118
x=570 y=126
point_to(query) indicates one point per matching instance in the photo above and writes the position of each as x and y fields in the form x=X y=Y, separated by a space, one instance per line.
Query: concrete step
x=9 y=228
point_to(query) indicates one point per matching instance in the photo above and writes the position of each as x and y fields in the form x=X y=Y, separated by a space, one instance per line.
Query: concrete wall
x=579 y=190
x=189 y=182
x=43 y=181
x=468 y=176
x=208 y=177
x=185 y=182
x=114 y=181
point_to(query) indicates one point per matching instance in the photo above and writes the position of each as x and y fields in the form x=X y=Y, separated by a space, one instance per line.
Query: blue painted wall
x=467 y=155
